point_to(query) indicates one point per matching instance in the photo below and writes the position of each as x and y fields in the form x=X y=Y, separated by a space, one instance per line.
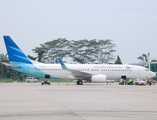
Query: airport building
x=153 y=67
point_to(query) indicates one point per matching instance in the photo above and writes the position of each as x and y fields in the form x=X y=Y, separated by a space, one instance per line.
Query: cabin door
x=31 y=69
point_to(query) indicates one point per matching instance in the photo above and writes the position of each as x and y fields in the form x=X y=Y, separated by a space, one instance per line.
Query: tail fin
x=15 y=54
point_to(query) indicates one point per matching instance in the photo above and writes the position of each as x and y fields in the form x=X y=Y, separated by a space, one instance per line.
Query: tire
x=79 y=82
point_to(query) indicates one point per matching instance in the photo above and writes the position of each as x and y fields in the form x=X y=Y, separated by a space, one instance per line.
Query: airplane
x=96 y=73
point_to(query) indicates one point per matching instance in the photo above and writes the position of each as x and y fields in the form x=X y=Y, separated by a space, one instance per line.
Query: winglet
x=62 y=64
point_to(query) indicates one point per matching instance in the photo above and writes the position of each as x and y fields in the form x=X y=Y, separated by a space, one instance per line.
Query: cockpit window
x=146 y=69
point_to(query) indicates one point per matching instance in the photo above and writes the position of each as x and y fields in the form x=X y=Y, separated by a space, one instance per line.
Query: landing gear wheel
x=79 y=82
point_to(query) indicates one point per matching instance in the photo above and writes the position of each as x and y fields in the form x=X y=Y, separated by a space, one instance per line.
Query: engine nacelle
x=98 y=78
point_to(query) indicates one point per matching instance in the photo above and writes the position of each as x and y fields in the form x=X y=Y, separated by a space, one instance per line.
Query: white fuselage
x=111 y=71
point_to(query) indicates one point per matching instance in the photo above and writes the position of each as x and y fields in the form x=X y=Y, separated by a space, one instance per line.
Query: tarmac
x=91 y=101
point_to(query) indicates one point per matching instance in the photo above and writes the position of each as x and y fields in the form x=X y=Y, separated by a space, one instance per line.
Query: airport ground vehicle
x=121 y=81
x=126 y=82
x=31 y=79
x=155 y=78
x=140 y=82
x=45 y=82
x=130 y=81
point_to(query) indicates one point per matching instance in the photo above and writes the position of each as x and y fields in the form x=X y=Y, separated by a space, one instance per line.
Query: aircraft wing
x=10 y=65
x=79 y=74
x=75 y=73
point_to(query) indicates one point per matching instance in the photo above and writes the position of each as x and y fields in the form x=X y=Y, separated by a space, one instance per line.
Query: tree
x=89 y=51
x=50 y=51
x=31 y=57
x=81 y=51
x=3 y=69
x=40 y=52
x=118 y=61
x=153 y=60
x=56 y=49
x=144 y=58
x=106 y=50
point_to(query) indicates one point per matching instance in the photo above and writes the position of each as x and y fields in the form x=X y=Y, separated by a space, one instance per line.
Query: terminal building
x=153 y=67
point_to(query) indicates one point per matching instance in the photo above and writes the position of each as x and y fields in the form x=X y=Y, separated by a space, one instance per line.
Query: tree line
x=78 y=51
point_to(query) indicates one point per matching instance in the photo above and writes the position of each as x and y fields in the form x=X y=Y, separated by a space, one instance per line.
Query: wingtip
x=62 y=64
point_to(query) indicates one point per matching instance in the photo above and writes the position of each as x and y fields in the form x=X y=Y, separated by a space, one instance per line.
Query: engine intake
x=98 y=78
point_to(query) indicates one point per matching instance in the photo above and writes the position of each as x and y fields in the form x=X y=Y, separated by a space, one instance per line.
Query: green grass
x=8 y=80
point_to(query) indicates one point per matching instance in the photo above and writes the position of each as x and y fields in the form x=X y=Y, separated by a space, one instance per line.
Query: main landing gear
x=79 y=82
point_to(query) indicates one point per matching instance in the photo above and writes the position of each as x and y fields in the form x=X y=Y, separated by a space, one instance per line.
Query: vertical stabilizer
x=15 y=54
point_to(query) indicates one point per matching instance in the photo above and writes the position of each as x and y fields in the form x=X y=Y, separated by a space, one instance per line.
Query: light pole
x=149 y=63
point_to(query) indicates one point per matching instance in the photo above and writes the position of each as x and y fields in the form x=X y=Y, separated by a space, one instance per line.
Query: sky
x=131 y=24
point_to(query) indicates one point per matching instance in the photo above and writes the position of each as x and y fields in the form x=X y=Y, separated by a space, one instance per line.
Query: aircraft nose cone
x=153 y=74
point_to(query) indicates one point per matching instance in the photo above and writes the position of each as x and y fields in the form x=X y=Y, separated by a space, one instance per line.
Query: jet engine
x=98 y=78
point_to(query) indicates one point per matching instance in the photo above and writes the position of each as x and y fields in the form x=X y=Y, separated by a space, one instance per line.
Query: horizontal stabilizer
x=10 y=65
